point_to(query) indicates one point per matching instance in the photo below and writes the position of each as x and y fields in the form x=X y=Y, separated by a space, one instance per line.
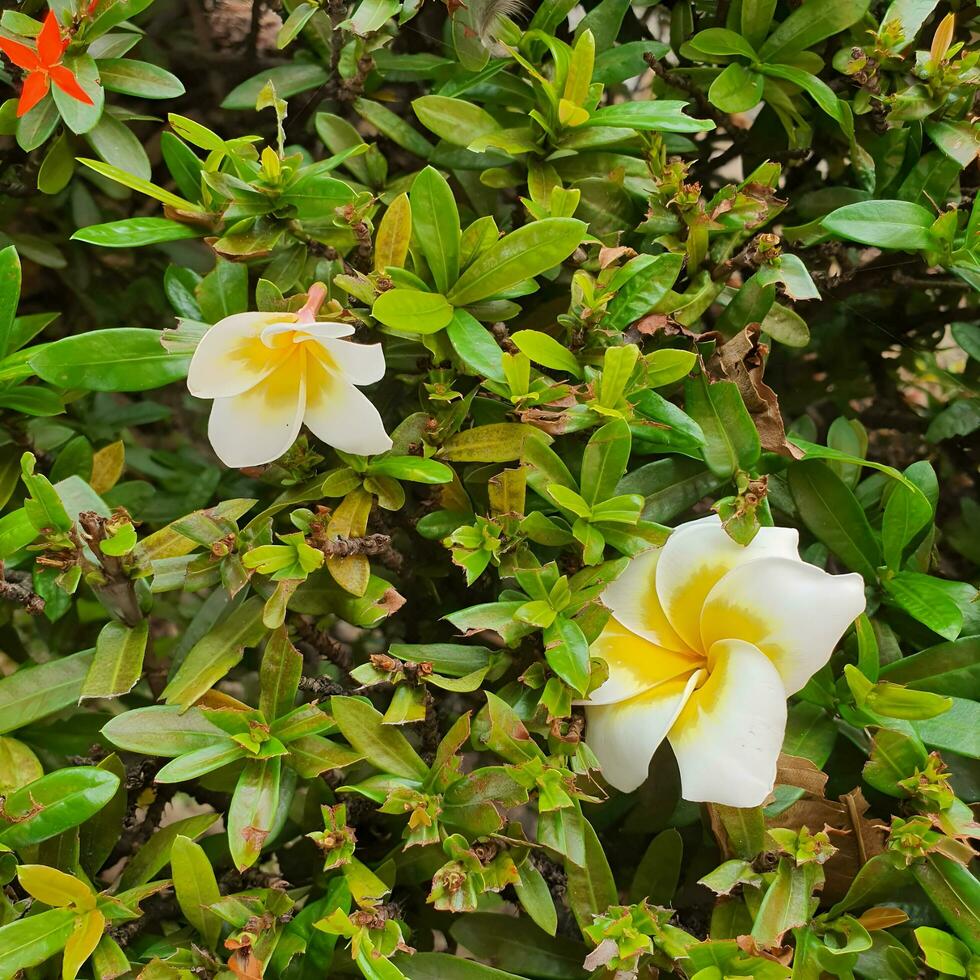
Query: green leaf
x=670 y=486
x=454 y=120
x=435 y=223
x=885 y=224
x=659 y=869
x=80 y=117
x=289 y=80
x=835 y=517
x=223 y=291
x=216 y=653
x=32 y=693
x=591 y=888
x=195 y=887
x=9 y=297
x=546 y=351
x=894 y=756
x=664 y=367
x=30 y=941
x=55 y=803
x=162 y=730
x=295 y=23
x=139 y=78
x=386 y=749
x=661 y=115
x=643 y=289
x=809 y=24
x=731 y=439
x=720 y=40
x=252 y=812
x=411 y=468
x=736 y=89
x=955 y=893
x=520 y=947
x=123 y=359
x=948 y=668
x=786 y=904
x=617 y=64
x=943 y=952
x=110 y=15
x=155 y=854
x=604 y=461
x=526 y=252
x=906 y=513
x=133 y=232
x=476 y=347
x=140 y=185
x=745 y=828
x=925 y=600
x=118 y=662
x=567 y=651
x=279 y=675
x=818 y=90
x=535 y=898
x=412 y=311
x=957 y=729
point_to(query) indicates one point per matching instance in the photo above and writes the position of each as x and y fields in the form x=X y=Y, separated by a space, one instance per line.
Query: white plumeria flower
x=706 y=641
x=268 y=373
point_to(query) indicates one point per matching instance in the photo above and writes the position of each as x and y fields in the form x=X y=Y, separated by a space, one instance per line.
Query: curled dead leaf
x=742 y=360
x=856 y=838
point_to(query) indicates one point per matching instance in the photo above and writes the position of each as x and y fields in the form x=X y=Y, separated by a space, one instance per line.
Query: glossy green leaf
x=54 y=803
x=124 y=359
x=529 y=251
x=834 y=516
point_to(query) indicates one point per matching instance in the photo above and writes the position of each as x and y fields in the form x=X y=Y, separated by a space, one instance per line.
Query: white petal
x=259 y=425
x=342 y=416
x=696 y=556
x=635 y=664
x=327 y=330
x=360 y=364
x=231 y=357
x=634 y=601
x=624 y=736
x=728 y=737
x=793 y=612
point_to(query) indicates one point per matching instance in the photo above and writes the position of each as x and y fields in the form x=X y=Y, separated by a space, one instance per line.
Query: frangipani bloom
x=43 y=66
x=268 y=373
x=706 y=641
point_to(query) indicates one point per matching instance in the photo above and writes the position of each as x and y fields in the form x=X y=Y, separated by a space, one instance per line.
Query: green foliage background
x=628 y=262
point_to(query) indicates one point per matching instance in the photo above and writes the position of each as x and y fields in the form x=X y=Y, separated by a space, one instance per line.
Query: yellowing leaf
x=55 y=888
x=81 y=943
x=394 y=235
x=107 y=466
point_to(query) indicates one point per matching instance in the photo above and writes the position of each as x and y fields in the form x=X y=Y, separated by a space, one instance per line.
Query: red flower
x=43 y=66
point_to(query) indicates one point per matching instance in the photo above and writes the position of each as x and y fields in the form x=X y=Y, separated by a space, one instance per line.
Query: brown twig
x=13 y=588
x=678 y=81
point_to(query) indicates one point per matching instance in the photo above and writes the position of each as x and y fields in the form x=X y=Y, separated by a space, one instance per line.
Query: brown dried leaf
x=792 y=770
x=777 y=954
x=391 y=601
x=856 y=838
x=741 y=360
x=609 y=255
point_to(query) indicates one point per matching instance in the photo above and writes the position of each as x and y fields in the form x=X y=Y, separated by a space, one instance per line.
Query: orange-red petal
x=20 y=54
x=35 y=88
x=50 y=46
x=68 y=84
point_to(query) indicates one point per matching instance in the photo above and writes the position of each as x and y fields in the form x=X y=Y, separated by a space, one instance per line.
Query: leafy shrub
x=561 y=557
